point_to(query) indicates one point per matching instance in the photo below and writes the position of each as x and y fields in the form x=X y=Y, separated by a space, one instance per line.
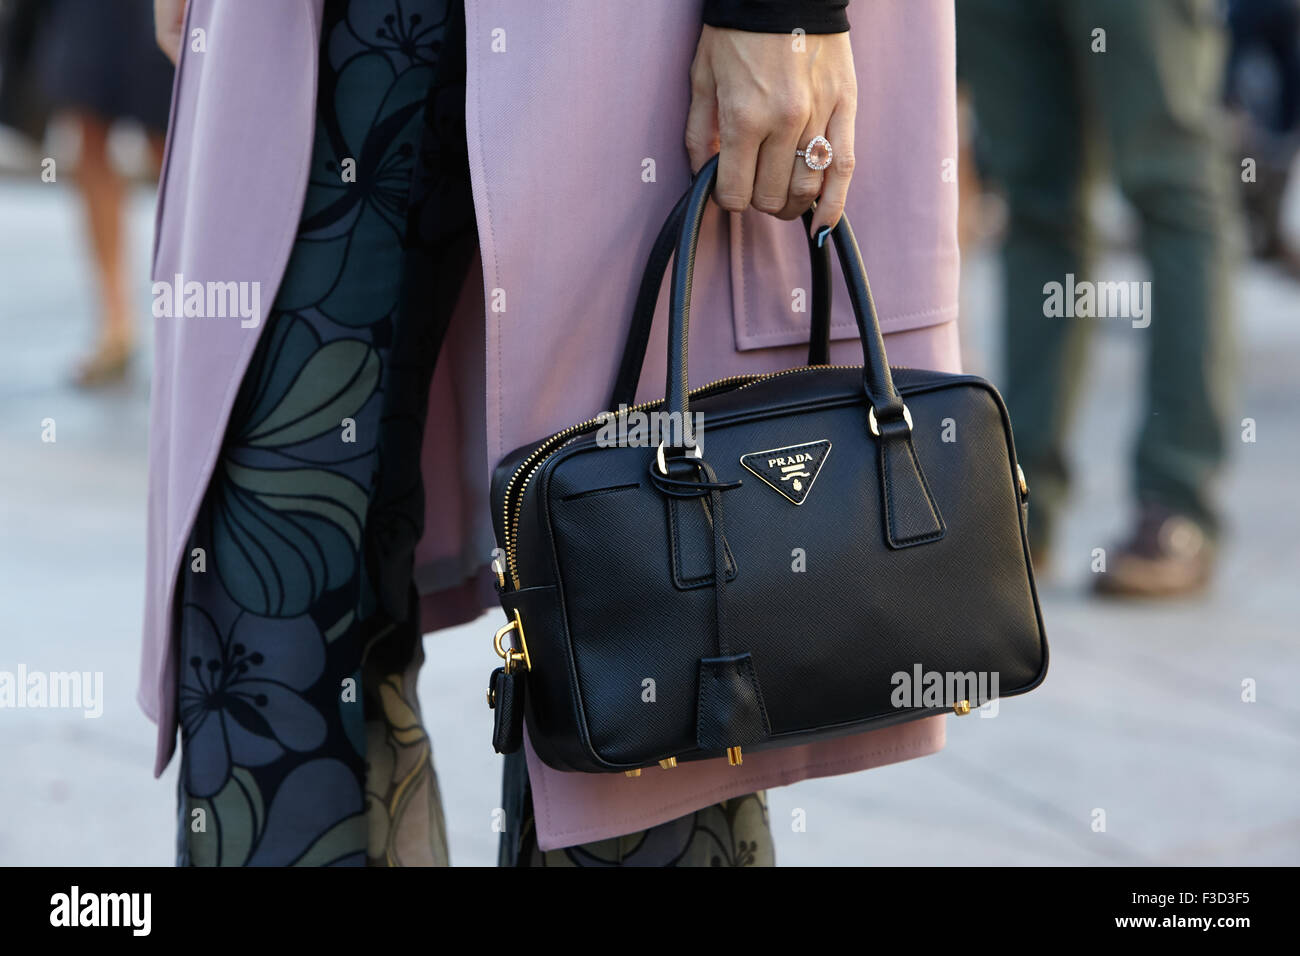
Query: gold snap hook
x=509 y=654
x=734 y=756
x=961 y=708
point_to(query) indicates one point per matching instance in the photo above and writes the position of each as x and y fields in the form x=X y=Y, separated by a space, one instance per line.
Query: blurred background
x=1164 y=734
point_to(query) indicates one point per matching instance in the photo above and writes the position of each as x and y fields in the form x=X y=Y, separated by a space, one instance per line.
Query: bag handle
x=643 y=313
x=886 y=405
x=911 y=516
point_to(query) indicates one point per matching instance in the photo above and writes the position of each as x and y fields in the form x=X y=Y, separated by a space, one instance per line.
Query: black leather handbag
x=840 y=549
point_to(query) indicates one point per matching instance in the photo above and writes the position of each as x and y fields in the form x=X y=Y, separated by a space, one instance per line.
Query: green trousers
x=1060 y=87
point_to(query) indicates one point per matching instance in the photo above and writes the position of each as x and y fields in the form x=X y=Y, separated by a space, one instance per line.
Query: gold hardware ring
x=510 y=655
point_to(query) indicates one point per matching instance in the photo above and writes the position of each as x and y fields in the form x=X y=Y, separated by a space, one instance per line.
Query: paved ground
x=1141 y=716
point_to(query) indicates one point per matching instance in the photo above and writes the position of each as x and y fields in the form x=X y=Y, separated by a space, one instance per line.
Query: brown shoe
x=107 y=365
x=1169 y=555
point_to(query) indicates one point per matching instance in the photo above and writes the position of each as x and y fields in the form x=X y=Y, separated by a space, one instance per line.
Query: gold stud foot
x=632 y=773
x=961 y=708
x=668 y=764
x=734 y=757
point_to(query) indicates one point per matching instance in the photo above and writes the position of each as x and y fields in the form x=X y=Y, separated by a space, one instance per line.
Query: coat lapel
x=232 y=189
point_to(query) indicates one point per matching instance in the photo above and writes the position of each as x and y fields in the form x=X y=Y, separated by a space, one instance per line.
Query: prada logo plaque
x=789 y=471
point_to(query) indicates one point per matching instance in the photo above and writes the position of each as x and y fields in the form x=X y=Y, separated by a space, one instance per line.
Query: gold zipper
x=530 y=465
x=511 y=528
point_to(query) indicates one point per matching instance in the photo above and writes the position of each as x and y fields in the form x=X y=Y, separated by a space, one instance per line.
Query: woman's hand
x=756 y=98
x=168 y=24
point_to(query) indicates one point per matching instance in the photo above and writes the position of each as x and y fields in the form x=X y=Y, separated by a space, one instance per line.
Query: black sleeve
x=778 y=16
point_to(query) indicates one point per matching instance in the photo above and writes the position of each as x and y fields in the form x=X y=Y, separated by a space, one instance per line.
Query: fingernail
x=822 y=233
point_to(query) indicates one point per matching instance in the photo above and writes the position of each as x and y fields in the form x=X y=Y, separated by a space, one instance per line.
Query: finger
x=805 y=183
x=740 y=130
x=776 y=166
x=702 y=122
x=835 y=179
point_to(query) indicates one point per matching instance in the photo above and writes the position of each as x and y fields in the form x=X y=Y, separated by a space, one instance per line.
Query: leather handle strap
x=643 y=312
x=819 y=332
x=638 y=335
x=911 y=515
x=876 y=378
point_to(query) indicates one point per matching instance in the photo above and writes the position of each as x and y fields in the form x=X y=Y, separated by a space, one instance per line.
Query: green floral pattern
x=287 y=633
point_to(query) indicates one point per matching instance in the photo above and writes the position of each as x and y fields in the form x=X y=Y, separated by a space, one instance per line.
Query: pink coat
x=575 y=145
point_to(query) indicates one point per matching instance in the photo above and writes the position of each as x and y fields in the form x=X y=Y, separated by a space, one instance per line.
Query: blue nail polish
x=822 y=233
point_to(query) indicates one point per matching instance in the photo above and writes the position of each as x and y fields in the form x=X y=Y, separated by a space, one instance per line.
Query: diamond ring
x=817 y=154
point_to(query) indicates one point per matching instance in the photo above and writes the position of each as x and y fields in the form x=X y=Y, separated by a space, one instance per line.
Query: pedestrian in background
x=1263 y=86
x=97 y=64
x=1049 y=81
